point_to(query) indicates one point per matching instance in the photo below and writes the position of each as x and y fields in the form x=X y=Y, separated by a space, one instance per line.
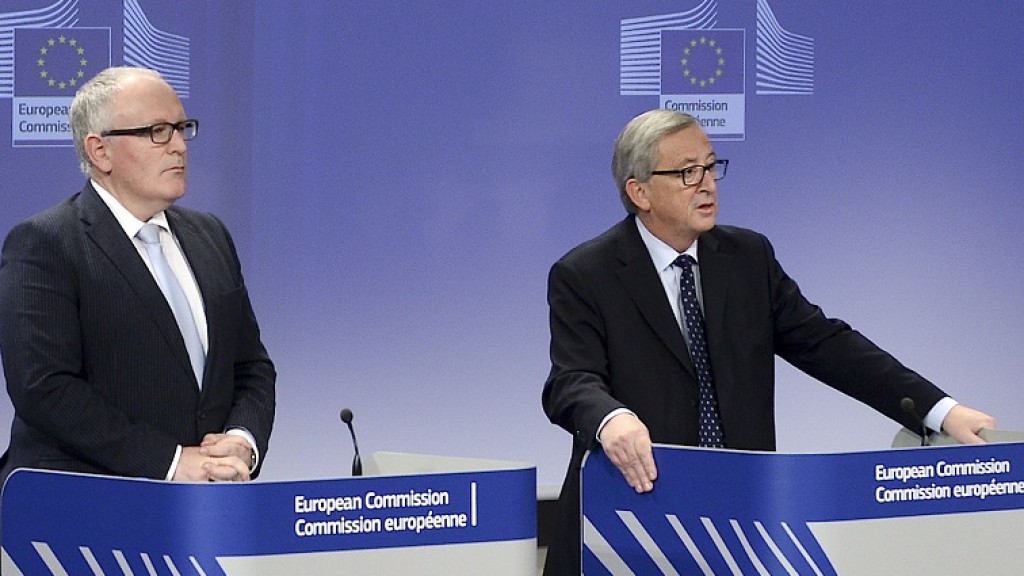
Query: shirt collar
x=661 y=253
x=126 y=219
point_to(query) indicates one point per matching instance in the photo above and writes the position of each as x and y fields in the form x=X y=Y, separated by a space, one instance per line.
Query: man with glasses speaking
x=665 y=329
x=129 y=344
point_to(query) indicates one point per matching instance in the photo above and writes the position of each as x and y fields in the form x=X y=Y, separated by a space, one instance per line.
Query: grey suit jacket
x=95 y=365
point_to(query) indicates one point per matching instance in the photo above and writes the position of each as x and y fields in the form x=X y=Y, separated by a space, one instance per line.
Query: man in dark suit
x=106 y=374
x=625 y=368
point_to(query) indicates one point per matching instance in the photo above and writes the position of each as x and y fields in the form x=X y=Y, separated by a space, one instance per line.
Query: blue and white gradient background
x=400 y=176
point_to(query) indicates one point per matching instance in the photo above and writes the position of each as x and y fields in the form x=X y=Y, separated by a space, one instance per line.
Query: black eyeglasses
x=693 y=175
x=161 y=132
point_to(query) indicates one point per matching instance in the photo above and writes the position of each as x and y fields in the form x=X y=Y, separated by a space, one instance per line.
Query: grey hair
x=90 y=110
x=636 y=148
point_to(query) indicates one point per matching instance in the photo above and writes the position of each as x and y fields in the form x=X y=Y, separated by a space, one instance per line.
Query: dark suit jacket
x=95 y=365
x=615 y=344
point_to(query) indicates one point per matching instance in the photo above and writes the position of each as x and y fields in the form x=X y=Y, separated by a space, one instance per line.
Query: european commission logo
x=49 y=66
x=690 y=64
x=46 y=54
x=702 y=75
x=694 y=66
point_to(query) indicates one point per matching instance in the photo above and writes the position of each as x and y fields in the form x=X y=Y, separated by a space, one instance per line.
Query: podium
x=420 y=515
x=934 y=510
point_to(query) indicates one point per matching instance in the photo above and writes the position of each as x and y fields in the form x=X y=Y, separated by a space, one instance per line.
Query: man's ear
x=637 y=192
x=99 y=152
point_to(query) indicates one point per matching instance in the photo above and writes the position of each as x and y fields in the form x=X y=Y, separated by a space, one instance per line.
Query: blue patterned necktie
x=169 y=285
x=710 y=433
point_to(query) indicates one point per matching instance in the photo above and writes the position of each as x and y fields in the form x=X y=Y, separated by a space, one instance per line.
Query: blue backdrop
x=400 y=176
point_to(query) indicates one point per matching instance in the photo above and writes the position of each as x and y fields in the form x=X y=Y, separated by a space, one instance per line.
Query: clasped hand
x=219 y=458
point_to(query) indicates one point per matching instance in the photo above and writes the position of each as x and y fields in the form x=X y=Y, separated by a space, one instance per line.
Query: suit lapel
x=641 y=280
x=200 y=255
x=109 y=238
x=714 y=270
x=197 y=251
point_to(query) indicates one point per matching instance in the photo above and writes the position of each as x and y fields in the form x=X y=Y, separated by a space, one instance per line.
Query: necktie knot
x=684 y=261
x=149 y=234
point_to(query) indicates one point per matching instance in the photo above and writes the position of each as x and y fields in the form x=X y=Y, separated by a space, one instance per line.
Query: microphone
x=908 y=405
x=357 y=463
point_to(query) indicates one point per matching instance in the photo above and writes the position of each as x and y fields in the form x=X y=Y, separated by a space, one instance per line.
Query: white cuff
x=252 y=444
x=937 y=415
x=611 y=415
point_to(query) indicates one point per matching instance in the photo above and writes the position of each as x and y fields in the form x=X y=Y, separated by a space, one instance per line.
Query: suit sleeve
x=576 y=395
x=831 y=351
x=45 y=367
x=254 y=375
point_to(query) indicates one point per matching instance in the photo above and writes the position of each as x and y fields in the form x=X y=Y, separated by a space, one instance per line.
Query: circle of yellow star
x=62 y=47
x=704 y=45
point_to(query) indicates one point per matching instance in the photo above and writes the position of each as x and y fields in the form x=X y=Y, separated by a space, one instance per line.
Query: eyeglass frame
x=704 y=169
x=151 y=130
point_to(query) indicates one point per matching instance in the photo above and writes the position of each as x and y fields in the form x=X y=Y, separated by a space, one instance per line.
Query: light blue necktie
x=169 y=285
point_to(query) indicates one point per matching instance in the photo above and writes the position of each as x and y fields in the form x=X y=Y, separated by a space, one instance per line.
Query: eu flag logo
x=56 y=61
x=702 y=61
x=702 y=75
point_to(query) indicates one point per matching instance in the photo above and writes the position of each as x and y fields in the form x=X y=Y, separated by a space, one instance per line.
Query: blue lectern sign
x=81 y=524
x=920 y=511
